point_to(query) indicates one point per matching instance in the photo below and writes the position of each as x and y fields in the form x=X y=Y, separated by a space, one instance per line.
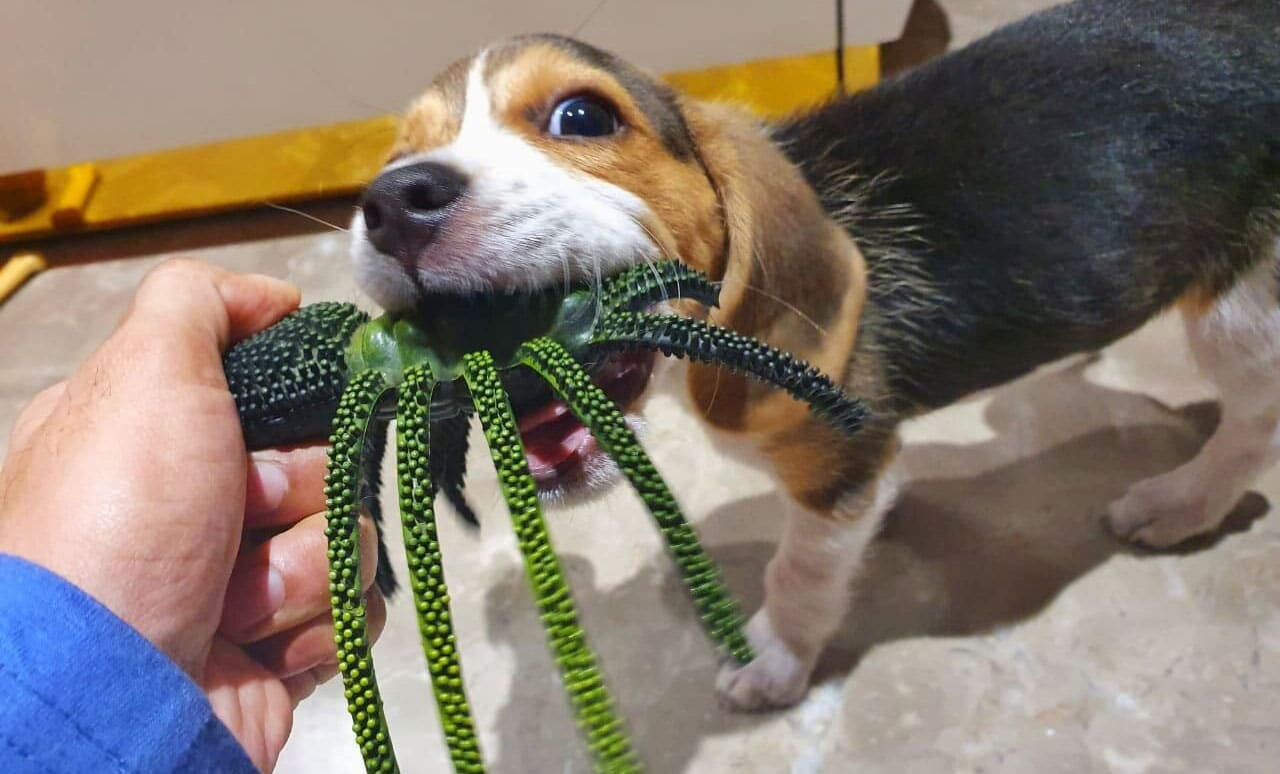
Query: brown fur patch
x=819 y=467
x=435 y=118
x=1197 y=301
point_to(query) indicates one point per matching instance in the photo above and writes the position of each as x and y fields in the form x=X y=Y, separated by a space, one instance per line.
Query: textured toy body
x=327 y=366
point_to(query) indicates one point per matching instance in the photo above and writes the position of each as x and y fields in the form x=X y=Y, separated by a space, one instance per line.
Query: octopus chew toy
x=328 y=368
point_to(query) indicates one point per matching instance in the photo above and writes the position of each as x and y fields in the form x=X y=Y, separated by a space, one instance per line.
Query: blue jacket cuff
x=84 y=691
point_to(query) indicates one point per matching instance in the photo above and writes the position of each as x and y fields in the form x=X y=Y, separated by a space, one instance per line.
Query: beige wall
x=87 y=79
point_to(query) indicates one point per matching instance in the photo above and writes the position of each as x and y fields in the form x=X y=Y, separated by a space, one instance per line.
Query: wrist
x=116 y=584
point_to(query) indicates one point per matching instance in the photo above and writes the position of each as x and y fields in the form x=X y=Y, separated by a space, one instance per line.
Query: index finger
x=285 y=486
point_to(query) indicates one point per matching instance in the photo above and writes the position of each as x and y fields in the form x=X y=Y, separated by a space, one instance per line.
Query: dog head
x=535 y=161
x=543 y=161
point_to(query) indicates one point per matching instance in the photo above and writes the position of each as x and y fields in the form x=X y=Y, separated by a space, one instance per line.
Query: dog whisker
x=587 y=20
x=790 y=307
x=662 y=251
x=306 y=215
x=567 y=271
x=596 y=290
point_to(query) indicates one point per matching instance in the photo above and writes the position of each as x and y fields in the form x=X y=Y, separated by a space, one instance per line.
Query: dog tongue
x=555 y=441
x=545 y=414
x=552 y=436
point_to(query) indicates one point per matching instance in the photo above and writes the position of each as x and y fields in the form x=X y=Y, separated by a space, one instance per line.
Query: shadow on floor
x=962 y=553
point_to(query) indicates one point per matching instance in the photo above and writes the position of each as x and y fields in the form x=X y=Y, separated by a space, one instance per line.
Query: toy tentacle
x=449 y=461
x=644 y=285
x=375 y=448
x=702 y=342
x=720 y=614
x=354 y=412
x=589 y=695
x=426 y=571
x=287 y=380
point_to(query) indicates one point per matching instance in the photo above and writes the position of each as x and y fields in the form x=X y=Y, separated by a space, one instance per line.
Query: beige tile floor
x=997 y=627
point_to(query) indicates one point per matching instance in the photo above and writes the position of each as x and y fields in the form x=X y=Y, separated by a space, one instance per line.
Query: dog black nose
x=404 y=207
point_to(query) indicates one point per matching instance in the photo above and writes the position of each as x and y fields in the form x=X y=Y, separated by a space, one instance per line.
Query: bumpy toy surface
x=328 y=368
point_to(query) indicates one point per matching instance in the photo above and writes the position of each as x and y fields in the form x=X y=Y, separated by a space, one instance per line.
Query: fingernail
x=274 y=483
x=256 y=599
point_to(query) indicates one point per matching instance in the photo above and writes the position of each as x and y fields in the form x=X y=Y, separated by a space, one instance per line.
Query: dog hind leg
x=1236 y=343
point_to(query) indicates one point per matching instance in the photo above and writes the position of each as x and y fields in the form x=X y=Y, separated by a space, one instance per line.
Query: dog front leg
x=807 y=592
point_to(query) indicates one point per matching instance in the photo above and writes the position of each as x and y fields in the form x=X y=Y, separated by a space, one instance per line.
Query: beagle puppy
x=1043 y=192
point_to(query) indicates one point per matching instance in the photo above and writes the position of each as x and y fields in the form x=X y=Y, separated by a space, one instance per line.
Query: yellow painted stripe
x=18 y=270
x=339 y=159
x=776 y=87
x=283 y=167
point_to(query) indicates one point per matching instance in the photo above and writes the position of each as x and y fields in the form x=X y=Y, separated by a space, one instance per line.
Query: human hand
x=131 y=480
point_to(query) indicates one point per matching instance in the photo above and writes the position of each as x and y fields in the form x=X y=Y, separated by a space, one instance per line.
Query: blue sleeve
x=80 y=690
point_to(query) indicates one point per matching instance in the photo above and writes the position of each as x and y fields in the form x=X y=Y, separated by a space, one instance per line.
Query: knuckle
x=179 y=267
x=377 y=608
x=36 y=410
x=368 y=533
x=169 y=278
x=28 y=415
x=178 y=274
x=368 y=550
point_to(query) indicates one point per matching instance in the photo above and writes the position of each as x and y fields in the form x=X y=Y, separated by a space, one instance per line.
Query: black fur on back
x=1050 y=188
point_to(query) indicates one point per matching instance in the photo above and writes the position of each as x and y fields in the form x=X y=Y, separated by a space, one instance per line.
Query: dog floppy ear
x=791 y=275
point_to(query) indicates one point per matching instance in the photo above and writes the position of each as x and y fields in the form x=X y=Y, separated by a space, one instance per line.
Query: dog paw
x=1156 y=514
x=777 y=677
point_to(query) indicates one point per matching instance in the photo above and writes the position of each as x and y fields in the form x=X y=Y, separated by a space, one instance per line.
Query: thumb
x=255 y=302
x=213 y=306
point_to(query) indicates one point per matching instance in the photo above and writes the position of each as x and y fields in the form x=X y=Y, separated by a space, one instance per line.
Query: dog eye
x=582 y=117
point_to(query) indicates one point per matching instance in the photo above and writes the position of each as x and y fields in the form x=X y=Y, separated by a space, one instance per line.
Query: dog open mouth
x=561 y=452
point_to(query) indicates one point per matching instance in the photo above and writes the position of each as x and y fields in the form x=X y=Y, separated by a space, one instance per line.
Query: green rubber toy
x=328 y=369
